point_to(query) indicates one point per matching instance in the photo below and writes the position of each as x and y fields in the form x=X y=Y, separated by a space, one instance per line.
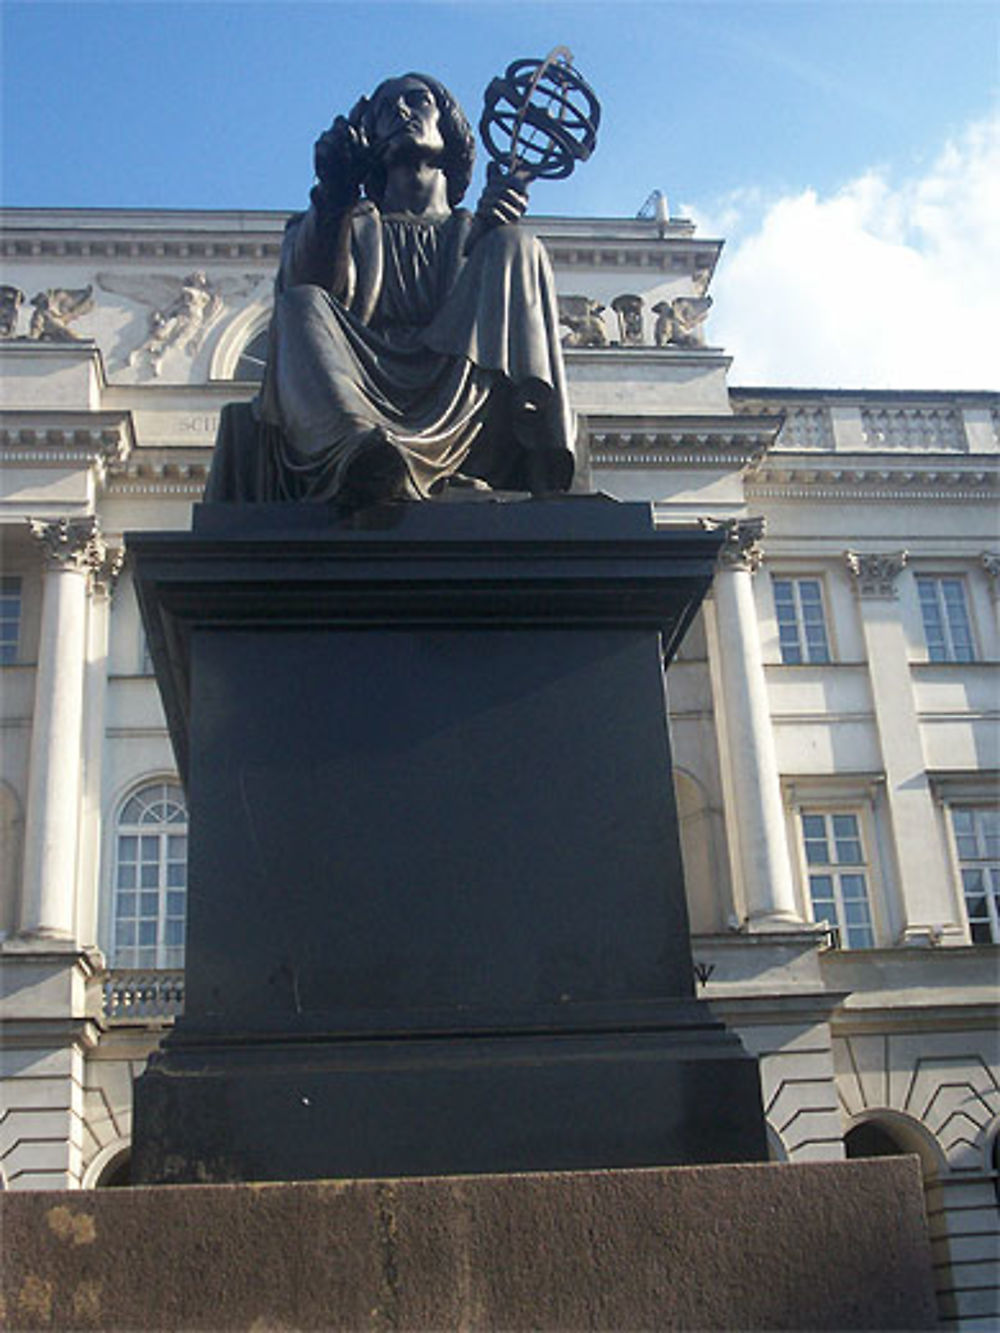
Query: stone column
x=72 y=550
x=925 y=877
x=105 y=576
x=758 y=825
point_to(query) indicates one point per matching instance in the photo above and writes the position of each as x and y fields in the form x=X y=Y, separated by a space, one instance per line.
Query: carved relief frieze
x=875 y=573
x=629 y=307
x=581 y=317
x=11 y=301
x=679 y=322
x=55 y=309
x=181 y=310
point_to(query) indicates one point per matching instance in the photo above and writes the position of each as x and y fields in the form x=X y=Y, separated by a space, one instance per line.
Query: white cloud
x=881 y=285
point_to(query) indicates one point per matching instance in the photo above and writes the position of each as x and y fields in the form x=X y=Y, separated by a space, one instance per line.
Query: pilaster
x=925 y=900
x=748 y=742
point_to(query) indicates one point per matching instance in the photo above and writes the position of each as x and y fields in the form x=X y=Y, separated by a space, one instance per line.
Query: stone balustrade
x=131 y=995
x=950 y=424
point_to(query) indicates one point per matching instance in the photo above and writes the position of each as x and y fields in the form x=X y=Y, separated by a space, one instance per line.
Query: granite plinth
x=436 y=914
x=837 y=1245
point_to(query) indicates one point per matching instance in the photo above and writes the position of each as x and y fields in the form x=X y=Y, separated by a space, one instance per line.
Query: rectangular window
x=838 y=877
x=10 y=618
x=947 y=630
x=977 y=842
x=802 y=636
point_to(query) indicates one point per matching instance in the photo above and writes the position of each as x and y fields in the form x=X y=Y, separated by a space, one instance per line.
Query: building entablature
x=867 y=477
x=703 y=441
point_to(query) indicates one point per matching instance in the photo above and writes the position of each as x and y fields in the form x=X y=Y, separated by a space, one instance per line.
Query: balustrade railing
x=132 y=994
x=936 y=429
x=914 y=426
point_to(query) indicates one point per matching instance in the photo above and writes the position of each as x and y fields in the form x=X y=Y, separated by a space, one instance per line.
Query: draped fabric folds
x=454 y=362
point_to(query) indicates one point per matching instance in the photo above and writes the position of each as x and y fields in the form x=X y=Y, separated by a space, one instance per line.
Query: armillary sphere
x=540 y=118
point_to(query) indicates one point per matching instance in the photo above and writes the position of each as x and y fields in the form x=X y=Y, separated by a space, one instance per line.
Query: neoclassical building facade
x=834 y=709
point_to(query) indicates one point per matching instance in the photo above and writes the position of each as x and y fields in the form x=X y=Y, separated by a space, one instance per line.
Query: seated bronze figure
x=413 y=346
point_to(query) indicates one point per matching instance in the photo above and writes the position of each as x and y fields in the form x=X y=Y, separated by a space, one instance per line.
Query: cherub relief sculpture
x=582 y=319
x=410 y=351
x=55 y=309
x=11 y=300
x=678 y=322
x=183 y=308
x=628 y=308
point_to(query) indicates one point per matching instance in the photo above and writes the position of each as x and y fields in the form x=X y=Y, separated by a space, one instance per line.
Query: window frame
x=861 y=794
x=838 y=872
x=10 y=649
x=795 y=579
x=125 y=954
x=952 y=652
x=991 y=893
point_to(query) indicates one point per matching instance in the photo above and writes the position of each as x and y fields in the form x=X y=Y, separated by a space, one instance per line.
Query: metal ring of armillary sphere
x=540 y=118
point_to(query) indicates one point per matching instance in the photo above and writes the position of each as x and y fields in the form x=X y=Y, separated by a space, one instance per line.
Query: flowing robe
x=454 y=360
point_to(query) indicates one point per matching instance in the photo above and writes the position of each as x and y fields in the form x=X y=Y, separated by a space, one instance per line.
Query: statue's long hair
x=459 y=142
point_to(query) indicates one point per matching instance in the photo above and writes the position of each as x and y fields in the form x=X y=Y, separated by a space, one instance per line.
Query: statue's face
x=406 y=118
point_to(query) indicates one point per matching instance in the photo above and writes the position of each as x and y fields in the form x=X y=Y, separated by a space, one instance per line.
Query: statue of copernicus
x=413 y=346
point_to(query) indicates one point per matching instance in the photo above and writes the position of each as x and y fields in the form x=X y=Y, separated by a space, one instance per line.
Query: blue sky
x=734 y=109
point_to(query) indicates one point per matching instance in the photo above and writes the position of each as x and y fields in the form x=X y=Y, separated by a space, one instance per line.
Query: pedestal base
x=447 y=1105
x=837 y=1245
x=436 y=914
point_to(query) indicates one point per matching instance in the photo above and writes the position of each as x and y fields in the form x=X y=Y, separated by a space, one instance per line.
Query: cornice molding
x=847 y=481
x=47 y=439
x=713 y=441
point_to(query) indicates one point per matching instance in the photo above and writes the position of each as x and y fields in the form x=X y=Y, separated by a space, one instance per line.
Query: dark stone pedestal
x=436 y=909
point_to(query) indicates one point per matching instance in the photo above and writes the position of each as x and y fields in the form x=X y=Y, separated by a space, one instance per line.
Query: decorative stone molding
x=71 y=543
x=105 y=438
x=181 y=310
x=991 y=563
x=778 y=480
x=11 y=300
x=55 y=309
x=742 y=548
x=875 y=573
x=699 y=441
x=105 y=576
x=906 y=427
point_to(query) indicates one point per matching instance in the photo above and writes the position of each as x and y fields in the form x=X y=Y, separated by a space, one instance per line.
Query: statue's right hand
x=341 y=157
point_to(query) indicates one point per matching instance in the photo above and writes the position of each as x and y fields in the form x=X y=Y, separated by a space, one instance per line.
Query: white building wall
x=903 y=1033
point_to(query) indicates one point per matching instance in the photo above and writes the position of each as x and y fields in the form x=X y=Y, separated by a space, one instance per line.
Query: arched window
x=151 y=879
x=253 y=358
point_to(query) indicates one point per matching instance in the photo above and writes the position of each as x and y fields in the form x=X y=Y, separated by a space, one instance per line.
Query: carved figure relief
x=11 y=300
x=582 y=319
x=628 y=308
x=55 y=309
x=183 y=309
x=678 y=322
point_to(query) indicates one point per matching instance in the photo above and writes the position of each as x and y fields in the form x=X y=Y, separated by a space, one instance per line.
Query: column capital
x=875 y=573
x=71 y=543
x=104 y=574
x=991 y=563
x=742 y=548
